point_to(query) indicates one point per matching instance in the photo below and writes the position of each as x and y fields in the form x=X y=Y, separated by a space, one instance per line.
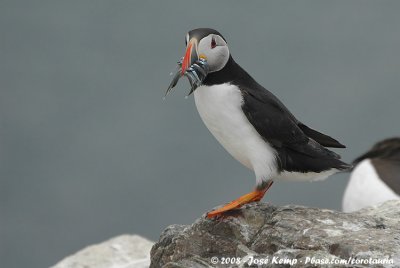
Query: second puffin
x=250 y=122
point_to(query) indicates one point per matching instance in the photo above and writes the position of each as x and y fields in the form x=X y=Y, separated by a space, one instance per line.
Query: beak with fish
x=193 y=66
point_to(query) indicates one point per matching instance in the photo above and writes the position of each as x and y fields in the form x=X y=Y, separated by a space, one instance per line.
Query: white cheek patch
x=216 y=57
x=220 y=56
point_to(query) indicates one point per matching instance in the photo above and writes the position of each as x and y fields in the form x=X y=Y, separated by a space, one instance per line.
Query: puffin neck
x=230 y=73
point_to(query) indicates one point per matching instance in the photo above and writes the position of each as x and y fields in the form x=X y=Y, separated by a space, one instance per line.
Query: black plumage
x=388 y=149
x=299 y=148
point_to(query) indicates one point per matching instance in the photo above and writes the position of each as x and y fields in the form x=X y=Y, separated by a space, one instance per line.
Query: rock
x=295 y=235
x=125 y=251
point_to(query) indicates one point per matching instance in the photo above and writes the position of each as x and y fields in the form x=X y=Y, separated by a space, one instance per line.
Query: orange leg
x=253 y=196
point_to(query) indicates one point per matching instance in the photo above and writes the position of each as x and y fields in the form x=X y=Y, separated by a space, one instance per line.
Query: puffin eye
x=213 y=43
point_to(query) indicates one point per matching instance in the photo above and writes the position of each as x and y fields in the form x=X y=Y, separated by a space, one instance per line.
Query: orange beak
x=190 y=55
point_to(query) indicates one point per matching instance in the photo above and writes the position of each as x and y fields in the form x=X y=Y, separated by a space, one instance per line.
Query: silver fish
x=196 y=74
x=176 y=77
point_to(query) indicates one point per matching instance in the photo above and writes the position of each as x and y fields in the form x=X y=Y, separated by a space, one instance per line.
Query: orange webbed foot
x=251 y=197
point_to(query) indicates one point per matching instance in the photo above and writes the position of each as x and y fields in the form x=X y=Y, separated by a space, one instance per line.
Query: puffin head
x=206 y=53
x=208 y=44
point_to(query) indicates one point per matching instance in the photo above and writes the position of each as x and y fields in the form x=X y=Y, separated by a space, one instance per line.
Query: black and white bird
x=375 y=178
x=250 y=122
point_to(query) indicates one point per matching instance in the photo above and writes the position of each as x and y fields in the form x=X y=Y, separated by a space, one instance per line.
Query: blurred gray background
x=89 y=150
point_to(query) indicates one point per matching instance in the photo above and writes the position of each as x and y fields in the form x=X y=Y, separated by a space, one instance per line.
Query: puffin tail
x=344 y=167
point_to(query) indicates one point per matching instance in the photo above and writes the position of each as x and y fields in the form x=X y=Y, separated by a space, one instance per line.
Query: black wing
x=319 y=137
x=297 y=145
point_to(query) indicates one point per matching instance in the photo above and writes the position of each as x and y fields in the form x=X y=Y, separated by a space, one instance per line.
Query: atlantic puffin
x=253 y=125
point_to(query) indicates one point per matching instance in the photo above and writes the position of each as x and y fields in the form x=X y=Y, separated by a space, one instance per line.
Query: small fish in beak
x=196 y=74
x=191 y=66
x=175 y=78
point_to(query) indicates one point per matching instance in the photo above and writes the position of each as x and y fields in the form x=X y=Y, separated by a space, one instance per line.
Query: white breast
x=220 y=108
x=365 y=188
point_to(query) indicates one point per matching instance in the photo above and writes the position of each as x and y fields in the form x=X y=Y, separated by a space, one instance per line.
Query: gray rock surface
x=125 y=251
x=293 y=234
